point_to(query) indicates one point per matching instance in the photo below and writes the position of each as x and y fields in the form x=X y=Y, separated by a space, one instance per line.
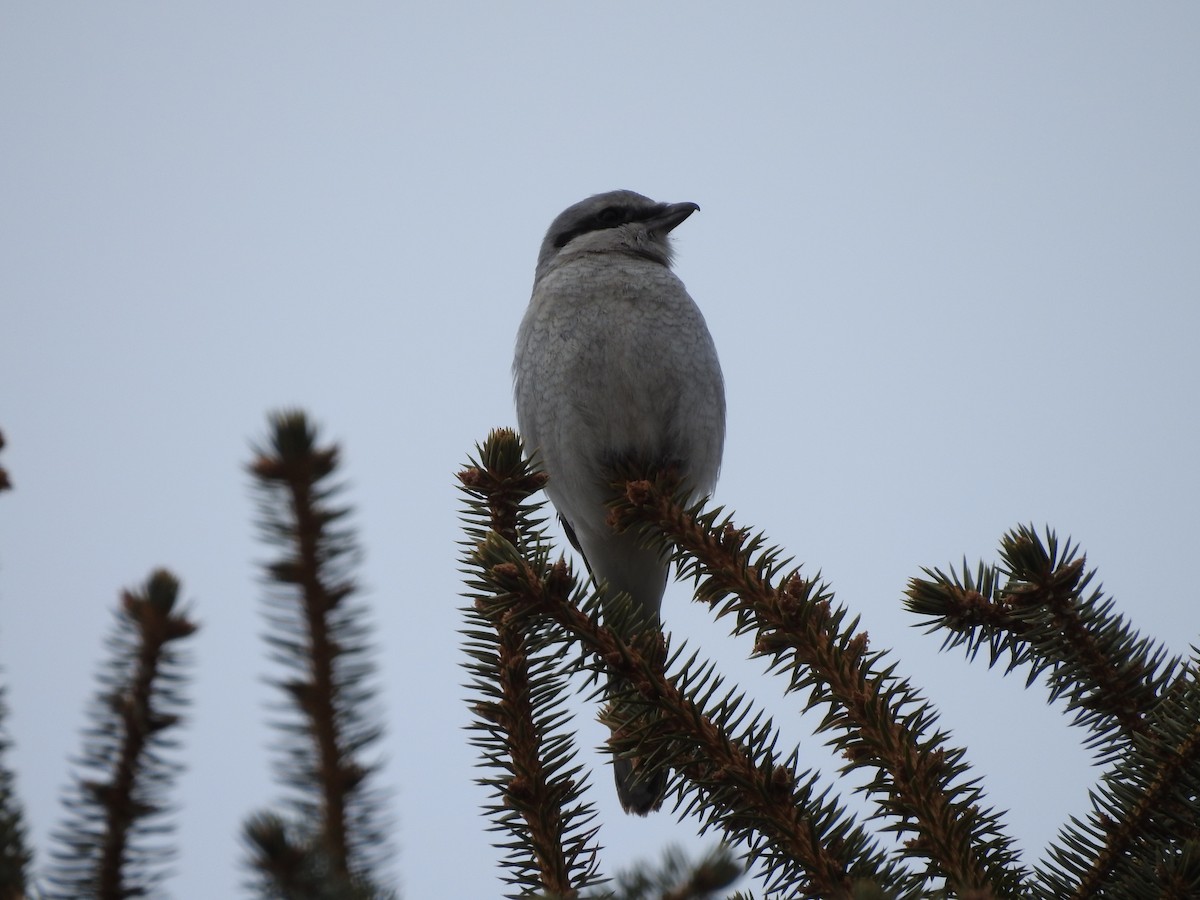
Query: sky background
x=949 y=254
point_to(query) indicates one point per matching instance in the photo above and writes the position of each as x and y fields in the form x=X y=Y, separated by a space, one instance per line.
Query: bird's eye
x=610 y=216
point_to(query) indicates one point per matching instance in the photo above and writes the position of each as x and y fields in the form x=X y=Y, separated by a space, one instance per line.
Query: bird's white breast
x=614 y=358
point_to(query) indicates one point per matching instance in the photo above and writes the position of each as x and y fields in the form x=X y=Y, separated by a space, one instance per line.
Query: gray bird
x=614 y=364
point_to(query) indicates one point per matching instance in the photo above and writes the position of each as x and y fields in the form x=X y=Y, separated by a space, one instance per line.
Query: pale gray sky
x=948 y=253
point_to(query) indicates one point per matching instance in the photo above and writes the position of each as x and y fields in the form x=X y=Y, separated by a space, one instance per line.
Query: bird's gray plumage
x=614 y=363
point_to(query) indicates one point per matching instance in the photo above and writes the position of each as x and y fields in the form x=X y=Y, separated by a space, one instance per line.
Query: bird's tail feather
x=639 y=791
x=639 y=788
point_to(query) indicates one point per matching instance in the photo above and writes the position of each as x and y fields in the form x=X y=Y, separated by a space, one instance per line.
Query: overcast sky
x=949 y=254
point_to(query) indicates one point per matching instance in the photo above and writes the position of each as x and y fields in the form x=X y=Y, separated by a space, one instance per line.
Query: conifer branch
x=519 y=688
x=1145 y=816
x=1043 y=617
x=808 y=842
x=115 y=809
x=336 y=834
x=15 y=855
x=879 y=721
x=1038 y=608
x=751 y=795
x=677 y=878
x=292 y=868
x=1139 y=706
x=5 y=483
x=1175 y=877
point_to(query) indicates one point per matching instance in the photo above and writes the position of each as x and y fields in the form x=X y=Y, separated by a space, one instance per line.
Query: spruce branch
x=677 y=877
x=518 y=687
x=15 y=854
x=502 y=480
x=1175 y=877
x=335 y=835
x=296 y=869
x=1140 y=705
x=1144 y=828
x=5 y=483
x=1043 y=616
x=1038 y=608
x=878 y=721
x=117 y=807
x=742 y=786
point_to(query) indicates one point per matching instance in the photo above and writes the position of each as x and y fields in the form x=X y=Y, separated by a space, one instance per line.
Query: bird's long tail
x=640 y=789
x=626 y=567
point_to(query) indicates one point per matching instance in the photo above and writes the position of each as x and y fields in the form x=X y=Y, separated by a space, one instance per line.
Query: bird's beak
x=669 y=215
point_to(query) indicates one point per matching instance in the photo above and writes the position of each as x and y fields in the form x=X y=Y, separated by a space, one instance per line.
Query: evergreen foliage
x=676 y=877
x=1036 y=609
x=15 y=855
x=333 y=843
x=1141 y=709
x=518 y=682
x=112 y=842
x=535 y=633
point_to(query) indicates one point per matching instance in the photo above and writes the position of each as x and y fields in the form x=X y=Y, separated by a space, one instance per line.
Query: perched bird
x=615 y=365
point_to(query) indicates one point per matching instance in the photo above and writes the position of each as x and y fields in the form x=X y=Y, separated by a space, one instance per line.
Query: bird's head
x=615 y=222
